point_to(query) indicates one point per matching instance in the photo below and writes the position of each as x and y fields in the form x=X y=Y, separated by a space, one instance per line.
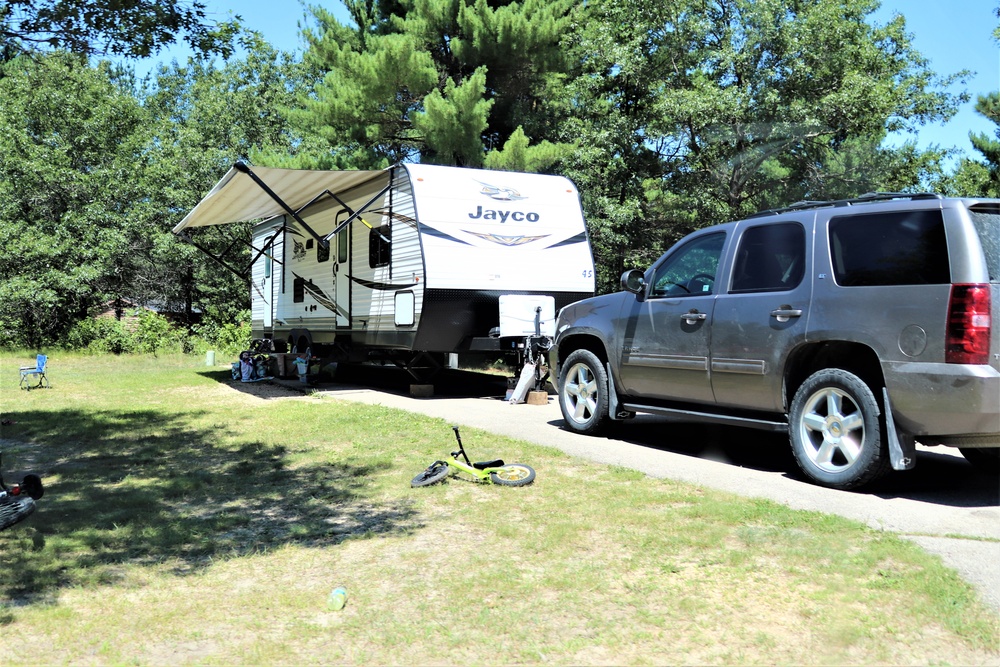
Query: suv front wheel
x=835 y=430
x=583 y=392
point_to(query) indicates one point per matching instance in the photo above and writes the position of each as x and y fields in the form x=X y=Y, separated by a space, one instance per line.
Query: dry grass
x=189 y=520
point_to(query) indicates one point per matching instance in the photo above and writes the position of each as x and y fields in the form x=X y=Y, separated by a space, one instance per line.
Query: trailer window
x=298 y=290
x=379 y=246
x=323 y=252
x=342 y=249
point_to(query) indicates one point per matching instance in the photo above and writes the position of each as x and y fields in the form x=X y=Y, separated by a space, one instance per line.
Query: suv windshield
x=986 y=218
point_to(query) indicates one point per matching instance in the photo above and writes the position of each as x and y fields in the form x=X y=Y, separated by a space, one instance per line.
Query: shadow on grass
x=142 y=487
x=447 y=383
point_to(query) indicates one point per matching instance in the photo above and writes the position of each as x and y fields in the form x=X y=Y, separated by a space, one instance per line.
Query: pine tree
x=441 y=81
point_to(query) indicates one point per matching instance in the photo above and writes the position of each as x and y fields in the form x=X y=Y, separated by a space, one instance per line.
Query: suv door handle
x=693 y=316
x=785 y=313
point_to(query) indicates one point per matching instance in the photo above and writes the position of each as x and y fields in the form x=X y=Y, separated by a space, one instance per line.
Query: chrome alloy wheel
x=832 y=429
x=580 y=392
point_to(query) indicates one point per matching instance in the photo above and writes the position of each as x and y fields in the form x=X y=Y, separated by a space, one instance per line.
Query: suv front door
x=762 y=316
x=665 y=346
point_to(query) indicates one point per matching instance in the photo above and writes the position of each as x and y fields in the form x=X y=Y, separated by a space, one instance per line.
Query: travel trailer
x=404 y=263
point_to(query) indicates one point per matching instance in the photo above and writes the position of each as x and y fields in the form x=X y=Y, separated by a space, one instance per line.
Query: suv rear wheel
x=836 y=431
x=583 y=392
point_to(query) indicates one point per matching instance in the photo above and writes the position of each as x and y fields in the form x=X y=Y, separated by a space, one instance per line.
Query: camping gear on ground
x=252 y=366
x=17 y=501
x=33 y=377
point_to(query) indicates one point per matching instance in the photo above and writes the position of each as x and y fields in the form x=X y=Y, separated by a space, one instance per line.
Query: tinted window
x=770 y=258
x=298 y=290
x=900 y=248
x=342 y=240
x=342 y=237
x=691 y=269
x=379 y=246
x=986 y=219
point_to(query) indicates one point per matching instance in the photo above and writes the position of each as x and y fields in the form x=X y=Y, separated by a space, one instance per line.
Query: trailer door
x=342 y=272
x=270 y=282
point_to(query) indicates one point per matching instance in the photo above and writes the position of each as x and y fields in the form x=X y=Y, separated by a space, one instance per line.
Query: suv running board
x=680 y=415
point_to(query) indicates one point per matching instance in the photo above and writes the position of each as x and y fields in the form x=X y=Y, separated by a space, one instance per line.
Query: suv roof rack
x=866 y=198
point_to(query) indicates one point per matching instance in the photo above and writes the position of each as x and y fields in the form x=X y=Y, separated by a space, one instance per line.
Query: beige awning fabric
x=237 y=198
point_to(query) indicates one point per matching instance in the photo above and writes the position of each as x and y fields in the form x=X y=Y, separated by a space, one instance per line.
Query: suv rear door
x=762 y=315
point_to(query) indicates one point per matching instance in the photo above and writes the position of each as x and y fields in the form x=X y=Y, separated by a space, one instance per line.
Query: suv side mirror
x=633 y=281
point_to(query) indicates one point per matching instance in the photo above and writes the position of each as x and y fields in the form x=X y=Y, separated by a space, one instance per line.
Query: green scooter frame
x=494 y=472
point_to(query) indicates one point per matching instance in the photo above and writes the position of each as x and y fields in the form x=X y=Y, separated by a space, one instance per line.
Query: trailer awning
x=238 y=198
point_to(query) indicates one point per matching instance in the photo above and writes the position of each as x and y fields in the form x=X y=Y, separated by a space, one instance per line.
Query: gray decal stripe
x=381 y=286
x=321 y=298
x=579 y=238
x=430 y=231
x=399 y=217
x=509 y=241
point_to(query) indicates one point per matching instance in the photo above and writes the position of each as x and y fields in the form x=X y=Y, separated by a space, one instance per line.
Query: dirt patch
x=248 y=392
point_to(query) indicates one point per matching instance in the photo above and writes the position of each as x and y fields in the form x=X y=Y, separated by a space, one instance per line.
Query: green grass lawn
x=189 y=519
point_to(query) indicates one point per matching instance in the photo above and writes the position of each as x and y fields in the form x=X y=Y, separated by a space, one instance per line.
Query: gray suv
x=856 y=326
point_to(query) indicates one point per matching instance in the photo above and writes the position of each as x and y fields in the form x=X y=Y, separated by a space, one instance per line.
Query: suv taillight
x=968 y=335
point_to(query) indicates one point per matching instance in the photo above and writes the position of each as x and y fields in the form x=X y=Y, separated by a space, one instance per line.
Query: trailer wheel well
x=300 y=341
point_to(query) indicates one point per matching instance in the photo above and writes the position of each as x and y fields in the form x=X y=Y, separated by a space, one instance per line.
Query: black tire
x=435 y=472
x=836 y=430
x=513 y=474
x=984 y=459
x=583 y=392
x=14 y=509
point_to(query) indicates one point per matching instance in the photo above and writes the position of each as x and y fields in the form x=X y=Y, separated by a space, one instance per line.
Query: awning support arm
x=263 y=250
x=357 y=214
x=186 y=236
x=244 y=168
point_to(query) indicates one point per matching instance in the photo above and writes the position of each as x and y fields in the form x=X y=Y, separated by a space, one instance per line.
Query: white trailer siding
x=266 y=274
x=507 y=231
x=400 y=281
x=422 y=263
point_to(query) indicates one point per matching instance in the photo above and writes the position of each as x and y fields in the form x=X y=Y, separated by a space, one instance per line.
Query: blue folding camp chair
x=33 y=377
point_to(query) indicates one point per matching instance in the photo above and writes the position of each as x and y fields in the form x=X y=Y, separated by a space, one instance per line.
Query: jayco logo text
x=503 y=216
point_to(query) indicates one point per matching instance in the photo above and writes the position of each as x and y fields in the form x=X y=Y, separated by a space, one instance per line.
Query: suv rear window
x=898 y=248
x=986 y=219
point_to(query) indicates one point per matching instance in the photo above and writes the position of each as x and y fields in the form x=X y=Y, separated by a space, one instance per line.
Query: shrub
x=227 y=335
x=100 y=335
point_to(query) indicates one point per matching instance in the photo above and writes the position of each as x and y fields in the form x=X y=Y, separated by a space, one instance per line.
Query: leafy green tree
x=708 y=111
x=135 y=28
x=205 y=118
x=71 y=143
x=436 y=80
x=980 y=178
x=989 y=147
x=94 y=174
